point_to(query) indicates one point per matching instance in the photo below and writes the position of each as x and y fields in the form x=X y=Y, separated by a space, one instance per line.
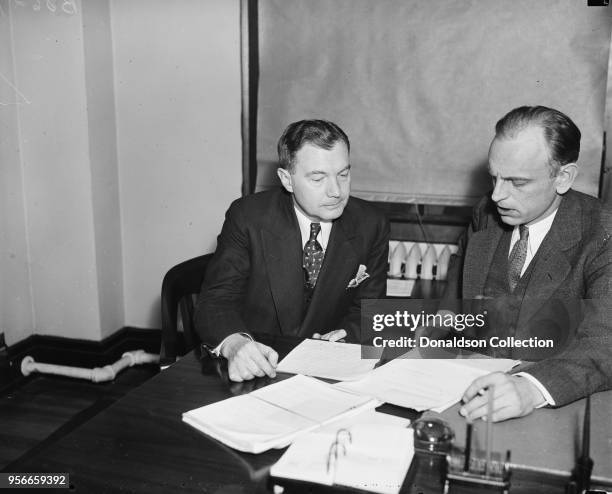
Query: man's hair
x=319 y=133
x=560 y=133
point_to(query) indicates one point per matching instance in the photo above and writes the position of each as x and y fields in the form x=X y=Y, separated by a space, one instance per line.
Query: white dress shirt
x=304 y=222
x=537 y=232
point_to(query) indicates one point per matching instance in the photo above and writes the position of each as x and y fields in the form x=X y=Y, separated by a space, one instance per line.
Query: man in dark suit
x=294 y=261
x=533 y=242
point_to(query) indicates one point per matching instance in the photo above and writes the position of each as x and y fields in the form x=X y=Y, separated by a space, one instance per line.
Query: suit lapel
x=283 y=256
x=478 y=260
x=339 y=266
x=552 y=266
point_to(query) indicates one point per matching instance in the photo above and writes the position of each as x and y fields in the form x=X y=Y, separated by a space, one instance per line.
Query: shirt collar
x=304 y=222
x=537 y=231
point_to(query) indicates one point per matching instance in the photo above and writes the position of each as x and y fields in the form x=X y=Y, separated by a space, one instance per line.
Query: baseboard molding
x=75 y=352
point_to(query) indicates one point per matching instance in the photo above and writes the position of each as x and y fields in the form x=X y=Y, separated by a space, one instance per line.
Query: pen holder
x=494 y=472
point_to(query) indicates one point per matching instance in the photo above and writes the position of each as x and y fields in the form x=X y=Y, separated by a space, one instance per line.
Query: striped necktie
x=517 y=257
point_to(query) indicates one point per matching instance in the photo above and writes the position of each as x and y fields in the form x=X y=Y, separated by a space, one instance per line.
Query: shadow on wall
x=480 y=179
x=155 y=313
x=267 y=177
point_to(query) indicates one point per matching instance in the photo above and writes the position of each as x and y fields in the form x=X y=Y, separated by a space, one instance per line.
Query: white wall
x=121 y=164
x=55 y=176
x=177 y=83
x=16 y=316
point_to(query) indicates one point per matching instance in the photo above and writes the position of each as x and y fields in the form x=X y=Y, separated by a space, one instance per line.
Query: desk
x=139 y=444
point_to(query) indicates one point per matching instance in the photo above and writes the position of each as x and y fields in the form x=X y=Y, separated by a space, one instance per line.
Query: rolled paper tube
x=397 y=258
x=443 y=260
x=412 y=262
x=428 y=262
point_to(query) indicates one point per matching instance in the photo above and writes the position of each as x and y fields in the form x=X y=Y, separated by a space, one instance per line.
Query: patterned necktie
x=517 y=257
x=313 y=256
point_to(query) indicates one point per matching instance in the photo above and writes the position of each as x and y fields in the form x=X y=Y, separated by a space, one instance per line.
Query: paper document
x=487 y=364
x=331 y=360
x=423 y=384
x=364 y=456
x=399 y=288
x=369 y=417
x=272 y=416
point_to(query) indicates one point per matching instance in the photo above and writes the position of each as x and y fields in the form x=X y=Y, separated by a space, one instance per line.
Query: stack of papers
x=370 y=457
x=271 y=417
x=326 y=359
x=423 y=384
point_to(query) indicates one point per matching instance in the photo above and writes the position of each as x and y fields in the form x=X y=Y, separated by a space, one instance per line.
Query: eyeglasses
x=338 y=448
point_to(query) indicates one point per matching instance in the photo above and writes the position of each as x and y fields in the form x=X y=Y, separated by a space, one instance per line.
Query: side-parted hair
x=561 y=134
x=320 y=133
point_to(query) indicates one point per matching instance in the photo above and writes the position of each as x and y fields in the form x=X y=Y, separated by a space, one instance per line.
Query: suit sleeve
x=219 y=305
x=375 y=287
x=585 y=366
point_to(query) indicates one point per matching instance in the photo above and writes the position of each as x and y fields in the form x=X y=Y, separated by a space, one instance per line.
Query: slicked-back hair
x=561 y=134
x=320 y=133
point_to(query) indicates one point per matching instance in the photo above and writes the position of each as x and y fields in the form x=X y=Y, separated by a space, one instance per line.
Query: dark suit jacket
x=574 y=262
x=255 y=280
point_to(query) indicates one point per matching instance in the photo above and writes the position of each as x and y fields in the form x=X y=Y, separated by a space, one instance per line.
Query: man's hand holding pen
x=514 y=396
x=247 y=359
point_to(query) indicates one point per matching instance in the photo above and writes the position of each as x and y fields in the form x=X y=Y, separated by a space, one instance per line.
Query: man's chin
x=511 y=220
x=509 y=216
x=330 y=214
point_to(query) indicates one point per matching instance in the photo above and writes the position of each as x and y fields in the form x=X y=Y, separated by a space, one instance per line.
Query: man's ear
x=565 y=177
x=285 y=178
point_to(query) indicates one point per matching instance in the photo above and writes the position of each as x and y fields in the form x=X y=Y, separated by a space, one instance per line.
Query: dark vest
x=504 y=307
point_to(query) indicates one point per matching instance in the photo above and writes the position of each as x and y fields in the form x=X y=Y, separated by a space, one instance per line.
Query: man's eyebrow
x=524 y=179
x=527 y=179
x=509 y=178
x=325 y=172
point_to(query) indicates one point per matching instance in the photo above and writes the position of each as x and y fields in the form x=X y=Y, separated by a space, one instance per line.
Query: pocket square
x=361 y=276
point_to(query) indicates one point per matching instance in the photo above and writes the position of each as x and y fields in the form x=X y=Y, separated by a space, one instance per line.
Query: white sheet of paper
x=369 y=417
x=375 y=458
x=399 y=288
x=272 y=416
x=311 y=398
x=423 y=384
x=330 y=360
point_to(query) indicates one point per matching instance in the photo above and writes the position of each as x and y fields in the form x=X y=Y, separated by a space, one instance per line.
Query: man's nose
x=500 y=191
x=333 y=187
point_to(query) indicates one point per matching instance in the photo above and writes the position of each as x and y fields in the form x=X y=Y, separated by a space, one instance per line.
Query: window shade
x=419 y=84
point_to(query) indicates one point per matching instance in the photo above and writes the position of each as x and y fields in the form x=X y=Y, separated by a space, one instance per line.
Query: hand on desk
x=219 y=366
x=514 y=396
x=247 y=359
x=335 y=335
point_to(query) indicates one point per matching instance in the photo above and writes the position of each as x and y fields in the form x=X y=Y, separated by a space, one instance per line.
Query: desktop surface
x=140 y=444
